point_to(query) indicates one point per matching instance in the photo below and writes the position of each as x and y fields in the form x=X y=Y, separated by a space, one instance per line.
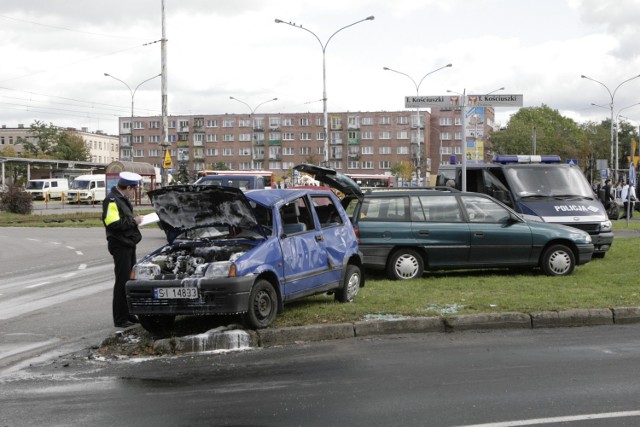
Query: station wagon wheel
x=557 y=260
x=405 y=264
x=263 y=305
x=351 y=284
x=157 y=325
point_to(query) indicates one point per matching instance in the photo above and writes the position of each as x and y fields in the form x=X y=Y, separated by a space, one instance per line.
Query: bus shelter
x=145 y=170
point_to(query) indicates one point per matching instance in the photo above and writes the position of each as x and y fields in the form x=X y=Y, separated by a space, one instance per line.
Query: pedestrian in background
x=123 y=235
x=628 y=196
x=607 y=197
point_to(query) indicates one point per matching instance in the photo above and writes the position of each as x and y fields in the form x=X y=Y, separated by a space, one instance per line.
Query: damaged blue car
x=248 y=253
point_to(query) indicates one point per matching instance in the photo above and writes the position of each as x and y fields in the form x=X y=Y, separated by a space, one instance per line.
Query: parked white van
x=51 y=188
x=87 y=188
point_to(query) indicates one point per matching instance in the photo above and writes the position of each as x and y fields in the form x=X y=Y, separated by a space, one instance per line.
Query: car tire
x=157 y=324
x=405 y=264
x=351 y=284
x=558 y=260
x=263 y=305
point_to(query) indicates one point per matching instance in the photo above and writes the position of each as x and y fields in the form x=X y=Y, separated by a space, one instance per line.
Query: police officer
x=123 y=235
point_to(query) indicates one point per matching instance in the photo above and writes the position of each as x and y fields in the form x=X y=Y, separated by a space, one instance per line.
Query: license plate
x=175 y=293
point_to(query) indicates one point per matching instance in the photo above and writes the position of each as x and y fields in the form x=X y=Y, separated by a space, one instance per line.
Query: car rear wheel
x=263 y=305
x=557 y=260
x=157 y=325
x=405 y=264
x=351 y=284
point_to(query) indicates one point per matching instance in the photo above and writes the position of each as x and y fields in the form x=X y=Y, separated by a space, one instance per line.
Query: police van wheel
x=557 y=260
x=405 y=264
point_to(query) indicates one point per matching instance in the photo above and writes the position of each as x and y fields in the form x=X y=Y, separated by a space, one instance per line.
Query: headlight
x=146 y=271
x=218 y=269
x=605 y=226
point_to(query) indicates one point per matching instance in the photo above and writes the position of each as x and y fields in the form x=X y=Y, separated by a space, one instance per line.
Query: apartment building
x=103 y=148
x=359 y=142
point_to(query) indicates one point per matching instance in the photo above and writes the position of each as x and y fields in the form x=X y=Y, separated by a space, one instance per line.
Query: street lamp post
x=133 y=93
x=463 y=154
x=612 y=96
x=252 y=111
x=324 y=75
x=417 y=87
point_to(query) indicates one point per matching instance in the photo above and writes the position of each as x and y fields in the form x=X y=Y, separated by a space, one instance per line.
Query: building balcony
x=183 y=129
x=275 y=157
x=354 y=156
x=353 y=141
x=275 y=142
x=198 y=128
x=198 y=157
x=182 y=144
x=336 y=142
x=258 y=142
x=257 y=157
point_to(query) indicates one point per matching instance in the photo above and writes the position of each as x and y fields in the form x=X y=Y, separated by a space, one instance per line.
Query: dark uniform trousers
x=124 y=257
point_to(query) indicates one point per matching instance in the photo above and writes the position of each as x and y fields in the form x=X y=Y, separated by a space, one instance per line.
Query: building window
x=244 y=151
x=274 y=122
x=305 y=151
x=138 y=125
x=403 y=134
x=154 y=152
x=227 y=152
x=384 y=135
x=154 y=138
x=367 y=165
x=138 y=153
x=305 y=136
x=212 y=123
x=385 y=164
x=228 y=137
x=305 y=121
x=445 y=136
x=212 y=152
x=288 y=151
x=367 y=150
x=367 y=120
x=384 y=150
x=287 y=122
x=320 y=121
x=385 y=120
x=154 y=125
x=446 y=121
x=320 y=136
x=172 y=138
x=228 y=123
x=402 y=150
x=212 y=137
x=457 y=135
x=288 y=136
x=244 y=137
x=403 y=120
x=367 y=134
x=138 y=138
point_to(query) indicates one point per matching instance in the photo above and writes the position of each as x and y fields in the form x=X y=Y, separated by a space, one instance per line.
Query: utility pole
x=165 y=121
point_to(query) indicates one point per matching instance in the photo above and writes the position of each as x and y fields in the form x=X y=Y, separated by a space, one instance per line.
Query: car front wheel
x=263 y=305
x=405 y=264
x=558 y=260
x=351 y=284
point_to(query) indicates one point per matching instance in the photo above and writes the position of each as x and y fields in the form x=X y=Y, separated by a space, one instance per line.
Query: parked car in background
x=87 y=188
x=243 y=182
x=48 y=188
x=408 y=231
x=233 y=252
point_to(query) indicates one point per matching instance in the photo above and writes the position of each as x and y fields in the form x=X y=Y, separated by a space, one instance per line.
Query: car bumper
x=585 y=253
x=602 y=242
x=215 y=296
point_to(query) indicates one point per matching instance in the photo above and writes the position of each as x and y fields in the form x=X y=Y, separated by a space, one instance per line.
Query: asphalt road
x=515 y=377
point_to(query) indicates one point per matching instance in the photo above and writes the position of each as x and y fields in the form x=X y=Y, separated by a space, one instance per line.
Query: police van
x=540 y=188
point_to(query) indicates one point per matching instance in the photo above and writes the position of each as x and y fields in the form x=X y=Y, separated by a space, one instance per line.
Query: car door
x=496 y=240
x=439 y=227
x=305 y=259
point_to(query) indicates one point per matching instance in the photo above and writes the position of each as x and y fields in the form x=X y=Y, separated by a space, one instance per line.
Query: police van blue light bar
x=517 y=158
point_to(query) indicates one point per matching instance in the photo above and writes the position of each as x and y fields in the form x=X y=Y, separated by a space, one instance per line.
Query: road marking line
x=568 y=418
x=37 y=285
x=82 y=266
x=71 y=247
x=78 y=252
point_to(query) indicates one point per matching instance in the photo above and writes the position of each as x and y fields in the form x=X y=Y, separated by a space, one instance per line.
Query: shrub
x=16 y=200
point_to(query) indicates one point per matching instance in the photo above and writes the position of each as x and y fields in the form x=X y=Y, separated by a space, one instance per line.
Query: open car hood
x=185 y=207
x=332 y=179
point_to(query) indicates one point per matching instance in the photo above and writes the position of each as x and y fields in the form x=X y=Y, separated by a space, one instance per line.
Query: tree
x=71 y=147
x=403 y=170
x=555 y=134
x=46 y=139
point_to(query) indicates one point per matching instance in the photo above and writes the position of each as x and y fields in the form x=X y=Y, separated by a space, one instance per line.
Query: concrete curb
x=233 y=337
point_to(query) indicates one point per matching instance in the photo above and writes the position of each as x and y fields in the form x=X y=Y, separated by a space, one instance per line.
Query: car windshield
x=35 y=185
x=552 y=181
x=80 y=185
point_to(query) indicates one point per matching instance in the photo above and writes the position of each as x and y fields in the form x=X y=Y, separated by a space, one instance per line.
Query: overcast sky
x=55 y=53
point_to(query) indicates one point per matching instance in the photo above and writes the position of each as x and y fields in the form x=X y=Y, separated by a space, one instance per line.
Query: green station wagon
x=408 y=231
